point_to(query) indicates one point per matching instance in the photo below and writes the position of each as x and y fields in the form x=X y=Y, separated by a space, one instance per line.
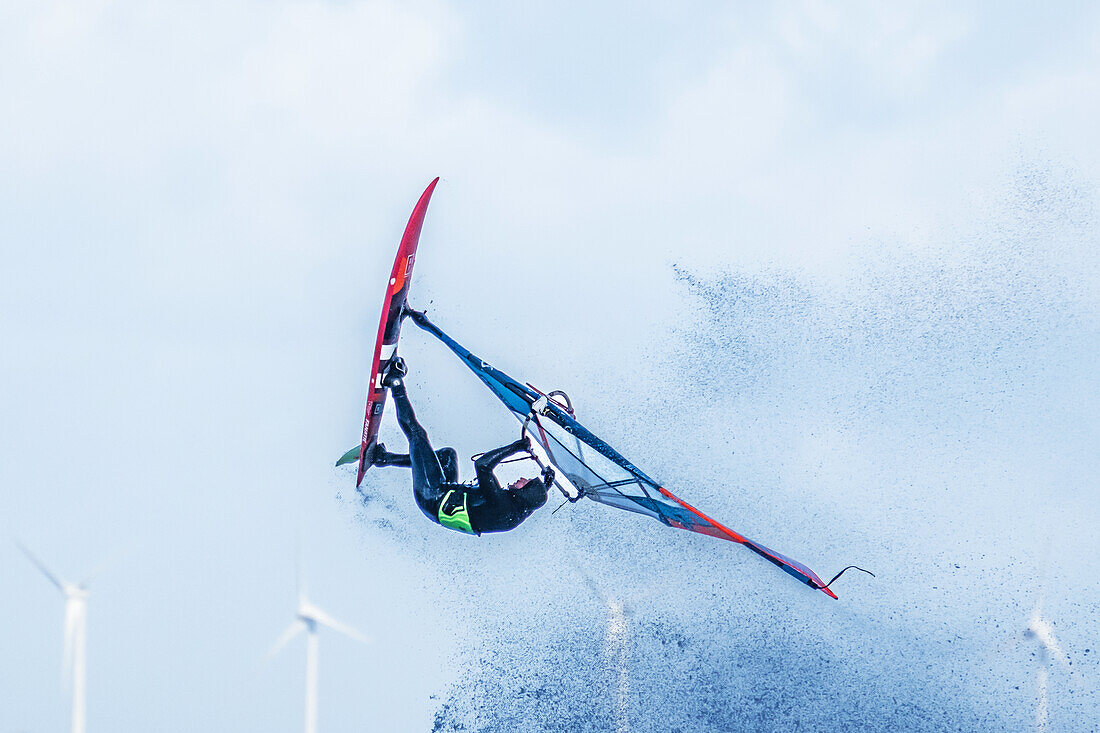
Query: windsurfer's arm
x=490 y=459
x=486 y=462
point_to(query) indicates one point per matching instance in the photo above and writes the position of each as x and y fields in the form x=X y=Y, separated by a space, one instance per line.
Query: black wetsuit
x=491 y=508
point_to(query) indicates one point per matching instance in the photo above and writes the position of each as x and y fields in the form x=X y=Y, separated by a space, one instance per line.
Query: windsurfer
x=473 y=507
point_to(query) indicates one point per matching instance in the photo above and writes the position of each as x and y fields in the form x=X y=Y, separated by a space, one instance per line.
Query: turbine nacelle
x=74 y=592
x=1042 y=630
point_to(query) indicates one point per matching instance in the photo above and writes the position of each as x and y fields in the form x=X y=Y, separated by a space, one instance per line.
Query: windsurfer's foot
x=394 y=371
x=376 y=454
x=408 y=312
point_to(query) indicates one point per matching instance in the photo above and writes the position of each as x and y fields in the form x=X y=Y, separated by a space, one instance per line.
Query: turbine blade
x=299 y=580
x=1053 y=647
x=112 y=559
x=296 y=627
x=592 y=584
x=41 y=566
x=325 y=620
x=638 y=599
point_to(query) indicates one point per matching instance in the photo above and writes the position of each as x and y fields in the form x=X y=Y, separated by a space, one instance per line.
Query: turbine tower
x=76 y=611
x=307 y=618
x=616 y=645
x=1040 y=629
x=617 y=648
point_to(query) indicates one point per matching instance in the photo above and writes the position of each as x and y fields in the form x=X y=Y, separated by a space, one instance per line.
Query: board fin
x=352 y=456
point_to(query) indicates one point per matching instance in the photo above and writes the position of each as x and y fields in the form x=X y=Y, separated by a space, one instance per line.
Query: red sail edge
x=721 y=531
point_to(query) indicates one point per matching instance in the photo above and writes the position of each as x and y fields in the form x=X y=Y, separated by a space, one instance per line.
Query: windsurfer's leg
x=448 y=461
x=427 y=474
x=417 y=316
x=383 y=457
x=377 y=455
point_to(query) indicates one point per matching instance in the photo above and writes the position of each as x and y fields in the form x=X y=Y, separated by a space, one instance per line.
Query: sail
x=600 y=472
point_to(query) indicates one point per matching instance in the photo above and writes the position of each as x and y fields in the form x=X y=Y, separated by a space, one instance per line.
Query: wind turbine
x=76 y=612
x=616 y=645
x=1040 y=629
x=617 y=648
x=307 y=618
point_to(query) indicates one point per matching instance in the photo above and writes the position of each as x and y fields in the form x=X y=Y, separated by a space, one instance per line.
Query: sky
x=829 y=270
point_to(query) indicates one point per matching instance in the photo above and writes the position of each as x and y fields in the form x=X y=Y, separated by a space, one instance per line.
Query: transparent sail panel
x=598 y=478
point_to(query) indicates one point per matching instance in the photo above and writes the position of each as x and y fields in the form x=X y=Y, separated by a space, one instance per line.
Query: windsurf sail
x=600 y=472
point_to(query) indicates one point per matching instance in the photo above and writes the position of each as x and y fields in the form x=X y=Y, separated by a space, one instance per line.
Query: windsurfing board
x=389 y=327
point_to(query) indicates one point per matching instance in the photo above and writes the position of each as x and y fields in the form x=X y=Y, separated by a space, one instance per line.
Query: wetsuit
x=474 y=507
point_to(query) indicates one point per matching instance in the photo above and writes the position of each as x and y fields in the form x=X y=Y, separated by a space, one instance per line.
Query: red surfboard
x=389 y=327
